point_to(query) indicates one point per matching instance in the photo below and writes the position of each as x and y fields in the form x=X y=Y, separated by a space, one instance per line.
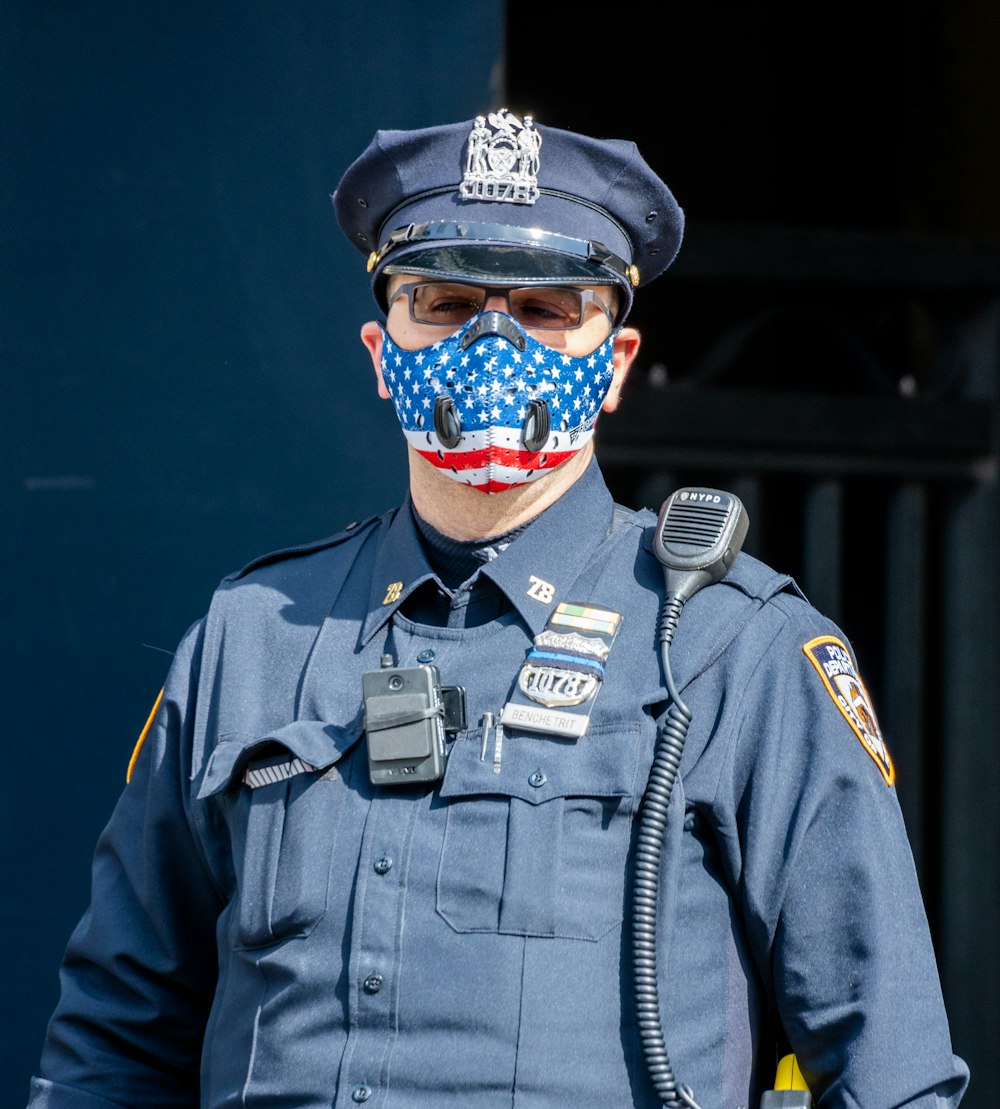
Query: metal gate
x=844 y=386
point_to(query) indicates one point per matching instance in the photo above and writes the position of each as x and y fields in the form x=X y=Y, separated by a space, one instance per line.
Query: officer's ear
x=371 y=336
x=625 y=349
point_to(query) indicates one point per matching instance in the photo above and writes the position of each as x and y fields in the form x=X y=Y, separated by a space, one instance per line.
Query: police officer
x=378 y=839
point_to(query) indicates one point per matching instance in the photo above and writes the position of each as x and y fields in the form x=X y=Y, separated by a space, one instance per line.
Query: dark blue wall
x=181 y=382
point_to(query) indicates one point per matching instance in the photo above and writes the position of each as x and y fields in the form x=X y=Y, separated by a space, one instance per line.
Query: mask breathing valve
x=447 y=423
x=537 y=424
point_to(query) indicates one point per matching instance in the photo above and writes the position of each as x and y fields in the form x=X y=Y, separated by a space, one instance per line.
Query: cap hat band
x=561 y=194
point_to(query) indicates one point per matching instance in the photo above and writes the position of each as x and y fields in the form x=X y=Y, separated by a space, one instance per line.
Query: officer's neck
x=464 y=513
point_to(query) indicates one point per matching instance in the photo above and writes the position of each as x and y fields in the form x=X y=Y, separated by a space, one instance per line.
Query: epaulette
x=349 y=531
x=621 y=514
x=757 y=579
x=748 y=574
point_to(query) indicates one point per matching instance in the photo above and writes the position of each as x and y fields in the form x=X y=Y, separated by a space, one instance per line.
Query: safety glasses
x=534 y=307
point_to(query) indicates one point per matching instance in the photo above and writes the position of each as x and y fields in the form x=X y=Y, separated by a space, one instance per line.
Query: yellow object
x=142 y=737
x=789 y=1077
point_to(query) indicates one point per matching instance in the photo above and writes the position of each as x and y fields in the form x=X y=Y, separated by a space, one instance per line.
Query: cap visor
x=500 y=265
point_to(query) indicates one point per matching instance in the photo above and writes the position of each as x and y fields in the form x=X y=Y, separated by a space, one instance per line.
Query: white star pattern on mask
x=491 y=383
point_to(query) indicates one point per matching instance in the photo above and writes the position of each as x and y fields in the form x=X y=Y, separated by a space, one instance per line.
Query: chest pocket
x=540 y=849
x=282 y=796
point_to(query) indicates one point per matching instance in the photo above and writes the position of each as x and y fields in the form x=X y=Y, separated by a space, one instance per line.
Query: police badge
x=564 y=670
x=502 y=164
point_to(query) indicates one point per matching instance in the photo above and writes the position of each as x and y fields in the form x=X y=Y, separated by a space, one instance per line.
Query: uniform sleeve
x=139 y=972
x=830 y=893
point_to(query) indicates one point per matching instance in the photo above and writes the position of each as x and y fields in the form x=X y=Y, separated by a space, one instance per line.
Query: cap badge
x=502 y=163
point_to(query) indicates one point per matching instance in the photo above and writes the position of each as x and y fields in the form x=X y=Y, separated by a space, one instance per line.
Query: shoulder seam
x=349 y=532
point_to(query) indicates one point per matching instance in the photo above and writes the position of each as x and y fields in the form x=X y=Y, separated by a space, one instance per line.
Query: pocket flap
x=316 y=744
x=536 y=769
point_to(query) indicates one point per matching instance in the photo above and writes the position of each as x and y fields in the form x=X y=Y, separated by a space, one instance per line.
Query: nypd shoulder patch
x=835 y=666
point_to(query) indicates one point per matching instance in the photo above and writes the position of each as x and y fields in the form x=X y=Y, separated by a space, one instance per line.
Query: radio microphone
x=699 y=533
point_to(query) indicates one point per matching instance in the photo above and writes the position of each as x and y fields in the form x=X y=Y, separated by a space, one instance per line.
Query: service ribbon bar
x=590 y=619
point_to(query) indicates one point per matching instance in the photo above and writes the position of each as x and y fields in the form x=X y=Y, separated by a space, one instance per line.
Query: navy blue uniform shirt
x=267 y=929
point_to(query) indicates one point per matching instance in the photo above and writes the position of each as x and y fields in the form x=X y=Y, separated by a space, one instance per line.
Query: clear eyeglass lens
x=533 y=307
x=546 y=308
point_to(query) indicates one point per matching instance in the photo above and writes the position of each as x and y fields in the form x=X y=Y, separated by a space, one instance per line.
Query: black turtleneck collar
x=456 y=560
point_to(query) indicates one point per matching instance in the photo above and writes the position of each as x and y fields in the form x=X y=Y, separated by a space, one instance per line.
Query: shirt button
x=383 y=864
x=361 y=1092
x=537 y=779
x=373 y=983
x=426 y=656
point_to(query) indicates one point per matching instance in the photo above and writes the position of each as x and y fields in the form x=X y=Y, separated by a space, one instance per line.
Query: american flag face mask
x=492 y=407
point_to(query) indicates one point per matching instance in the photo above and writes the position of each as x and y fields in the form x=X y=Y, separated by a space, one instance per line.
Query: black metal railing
x=844 y=386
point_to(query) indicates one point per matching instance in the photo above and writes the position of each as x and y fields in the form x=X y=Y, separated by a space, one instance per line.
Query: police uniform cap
x=598 y=213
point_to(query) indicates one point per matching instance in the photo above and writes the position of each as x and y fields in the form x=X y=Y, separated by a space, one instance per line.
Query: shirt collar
x=535 y=572
x=400 y=567
x=538 y=569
